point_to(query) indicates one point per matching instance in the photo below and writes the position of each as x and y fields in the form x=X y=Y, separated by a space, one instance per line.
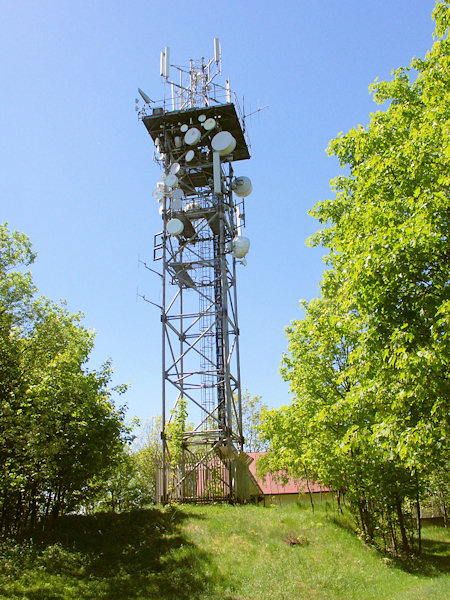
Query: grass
x=217 y=552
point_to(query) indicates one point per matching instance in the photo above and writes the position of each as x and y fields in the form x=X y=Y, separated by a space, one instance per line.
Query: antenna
x=167 y=62
x=216 y=50
x=254 y=112
x=144 y=96
x=195 y=85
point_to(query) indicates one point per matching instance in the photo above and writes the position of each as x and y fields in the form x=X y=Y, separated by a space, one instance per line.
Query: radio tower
x=199 y=132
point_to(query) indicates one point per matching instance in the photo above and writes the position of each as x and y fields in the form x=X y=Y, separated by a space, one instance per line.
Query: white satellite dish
x=241 y=246
x=161 y=209
x=175 y=227
x=158 y=193
x=192 y=136
x=174 y=168
x=209 y=124
x=242 y=186
x=189 y=155
x=178 y=194
x=176 y=204
x=171 y=180
x=202 y=118
x=144 y=96
x=184 y=128
x=223 y=143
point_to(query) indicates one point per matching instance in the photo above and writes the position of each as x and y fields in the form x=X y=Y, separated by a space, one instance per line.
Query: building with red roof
x=274 y=491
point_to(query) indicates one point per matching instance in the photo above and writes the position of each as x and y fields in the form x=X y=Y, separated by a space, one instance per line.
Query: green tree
x=369 y=364
x=306 y=436
x=148 y=457
x=252 y=410
x=315 y=437
x=174 y=430
x=389 y=252
x=16 y=294
x=131 y=482
x=58 y=424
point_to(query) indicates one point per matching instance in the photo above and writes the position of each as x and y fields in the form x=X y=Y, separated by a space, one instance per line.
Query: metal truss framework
x=200 y=332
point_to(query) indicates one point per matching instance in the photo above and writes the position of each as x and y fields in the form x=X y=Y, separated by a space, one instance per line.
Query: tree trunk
x=56 y=503
x=33 y=504
x=393 y=536
x=419 y=521
x=383 y=528
x=4 y=521
x=443 y=508
x=361 y=518
x=369 y=523
x=309 y=492
x=401 y=523
x=49 y=501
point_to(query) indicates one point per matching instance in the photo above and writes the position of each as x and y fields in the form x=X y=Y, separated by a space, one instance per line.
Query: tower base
x=215 y=475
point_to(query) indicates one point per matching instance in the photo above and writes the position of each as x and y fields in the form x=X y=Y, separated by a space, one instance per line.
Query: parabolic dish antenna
x=241 y=246
x=209 y=124
x=242 y=186
x=192 y=136
x=202 y=118
x=175 y=227
x=171 y=180
x=174 y=168
x=176 y=204
x=184 y=128
x=189 y=155
x=223 y=143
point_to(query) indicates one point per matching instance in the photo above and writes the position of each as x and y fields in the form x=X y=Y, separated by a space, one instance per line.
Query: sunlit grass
x=217 y=552
x=249 y=545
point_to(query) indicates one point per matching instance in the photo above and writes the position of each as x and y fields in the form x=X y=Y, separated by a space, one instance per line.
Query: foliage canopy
x=59 y=427
x=369 y=364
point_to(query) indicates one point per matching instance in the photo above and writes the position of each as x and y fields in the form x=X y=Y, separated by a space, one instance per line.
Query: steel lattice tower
x=199 y=132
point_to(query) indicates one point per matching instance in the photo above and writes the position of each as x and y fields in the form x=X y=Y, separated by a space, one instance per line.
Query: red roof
x=271 y=486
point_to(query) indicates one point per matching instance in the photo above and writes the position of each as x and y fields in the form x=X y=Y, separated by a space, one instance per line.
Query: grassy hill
x=217 y=552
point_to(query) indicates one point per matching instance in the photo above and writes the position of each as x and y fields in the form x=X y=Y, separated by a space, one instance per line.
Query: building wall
x=281 y=499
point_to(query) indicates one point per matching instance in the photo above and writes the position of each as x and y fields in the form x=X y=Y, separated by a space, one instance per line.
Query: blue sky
x=77 y=169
